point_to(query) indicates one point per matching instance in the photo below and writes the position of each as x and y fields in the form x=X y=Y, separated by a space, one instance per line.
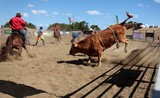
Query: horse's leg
x=20 y=52
x=58 y=39
x=28 y=51
x=43 y=41
x=11 y=51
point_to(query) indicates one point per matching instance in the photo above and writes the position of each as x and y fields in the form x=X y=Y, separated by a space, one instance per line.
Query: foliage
x=134 y=25
x=95 y=27
x=74 y=26
x=29 y=25
x=7 y=25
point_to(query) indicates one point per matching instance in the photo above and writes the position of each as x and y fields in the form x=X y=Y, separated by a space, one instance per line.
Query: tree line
x=83 y=25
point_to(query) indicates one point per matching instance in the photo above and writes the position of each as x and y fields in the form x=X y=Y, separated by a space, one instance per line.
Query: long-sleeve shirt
x=57 y=27
x=40 y=32
x=17 y=23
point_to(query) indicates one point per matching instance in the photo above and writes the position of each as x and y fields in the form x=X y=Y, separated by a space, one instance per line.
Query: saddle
x=16 y=32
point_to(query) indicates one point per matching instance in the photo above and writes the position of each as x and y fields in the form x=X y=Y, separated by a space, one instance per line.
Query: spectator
x=40 y=36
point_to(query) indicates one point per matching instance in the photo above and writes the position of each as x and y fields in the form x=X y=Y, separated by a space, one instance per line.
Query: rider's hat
x=18 y=15
x=41 y=27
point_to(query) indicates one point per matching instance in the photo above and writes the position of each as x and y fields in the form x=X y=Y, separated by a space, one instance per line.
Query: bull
x=95 y=44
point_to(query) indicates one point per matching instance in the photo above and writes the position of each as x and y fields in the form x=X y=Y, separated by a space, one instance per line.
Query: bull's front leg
x=89 y=60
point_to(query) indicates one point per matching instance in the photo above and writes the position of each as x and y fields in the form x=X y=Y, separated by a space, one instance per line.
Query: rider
x=57 y=27
x=17 y=23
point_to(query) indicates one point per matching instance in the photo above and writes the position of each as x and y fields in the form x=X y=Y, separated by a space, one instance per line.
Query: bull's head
x=74 y=48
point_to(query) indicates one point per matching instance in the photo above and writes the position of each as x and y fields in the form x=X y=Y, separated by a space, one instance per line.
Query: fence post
x=153 y=35
x=145 y=35
x=156 y=90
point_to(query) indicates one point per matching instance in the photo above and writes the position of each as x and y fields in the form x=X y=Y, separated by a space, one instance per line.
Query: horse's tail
x=3 y=53
x=5 y=50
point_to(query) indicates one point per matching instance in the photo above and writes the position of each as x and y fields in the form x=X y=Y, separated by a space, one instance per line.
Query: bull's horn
x=75 y=45
x=129 y=16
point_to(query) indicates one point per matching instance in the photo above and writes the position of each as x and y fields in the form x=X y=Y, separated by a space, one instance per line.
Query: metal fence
x=156 y=91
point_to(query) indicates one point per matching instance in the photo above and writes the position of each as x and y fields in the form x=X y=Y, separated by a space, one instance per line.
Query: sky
x=94 y=12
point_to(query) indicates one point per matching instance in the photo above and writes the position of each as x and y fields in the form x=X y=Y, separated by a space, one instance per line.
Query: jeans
x=24 y=35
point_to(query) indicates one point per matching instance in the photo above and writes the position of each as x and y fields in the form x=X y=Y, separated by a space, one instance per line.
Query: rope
x=116 y=39
x=100 y=40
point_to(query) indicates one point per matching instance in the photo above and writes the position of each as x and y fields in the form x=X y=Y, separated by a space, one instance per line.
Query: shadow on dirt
x=124 y=78
x=18 y=90
x=131 y=70
x=80 y=62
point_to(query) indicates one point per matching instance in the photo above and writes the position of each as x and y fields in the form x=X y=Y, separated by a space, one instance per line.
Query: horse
x=57 y=35
x=14 y=41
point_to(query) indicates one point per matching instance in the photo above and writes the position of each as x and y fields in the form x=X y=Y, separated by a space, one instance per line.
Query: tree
x=29 y=25
x=74 y=26
x=7 y=25
x=134 y=25
x=95 y=27
x=83 y=26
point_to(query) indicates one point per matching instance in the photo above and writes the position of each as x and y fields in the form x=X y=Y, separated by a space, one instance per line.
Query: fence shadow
x=125 y=77
x=18 y=90
x=131 y=70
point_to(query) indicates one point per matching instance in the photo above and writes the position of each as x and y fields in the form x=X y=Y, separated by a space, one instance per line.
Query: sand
x=52 y=73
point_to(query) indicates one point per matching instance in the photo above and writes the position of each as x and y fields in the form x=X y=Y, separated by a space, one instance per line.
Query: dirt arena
x=52 y=73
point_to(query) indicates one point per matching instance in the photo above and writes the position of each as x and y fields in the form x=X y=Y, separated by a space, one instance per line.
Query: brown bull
x=95 y=44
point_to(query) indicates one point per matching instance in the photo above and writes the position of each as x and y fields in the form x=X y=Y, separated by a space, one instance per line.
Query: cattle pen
x=145 y=34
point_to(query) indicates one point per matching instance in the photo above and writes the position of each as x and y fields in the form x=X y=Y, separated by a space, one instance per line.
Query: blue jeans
x=24 y=35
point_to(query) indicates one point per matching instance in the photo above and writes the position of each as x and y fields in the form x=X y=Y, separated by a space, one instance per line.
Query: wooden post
x=146 y=35
x=153 y=35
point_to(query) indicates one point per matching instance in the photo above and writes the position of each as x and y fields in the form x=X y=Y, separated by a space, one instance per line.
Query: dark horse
x=14 y=41
x=57 y=35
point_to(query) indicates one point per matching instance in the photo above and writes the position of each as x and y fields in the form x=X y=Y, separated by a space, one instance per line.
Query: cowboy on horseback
x=57 y=27
x=18 y=24
x=56 y=32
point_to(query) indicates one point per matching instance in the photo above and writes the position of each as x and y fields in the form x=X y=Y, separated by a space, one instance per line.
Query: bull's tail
x=129 y=16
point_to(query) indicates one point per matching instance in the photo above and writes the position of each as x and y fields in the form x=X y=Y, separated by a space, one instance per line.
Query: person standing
x=18 y=24
x=40 y=36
